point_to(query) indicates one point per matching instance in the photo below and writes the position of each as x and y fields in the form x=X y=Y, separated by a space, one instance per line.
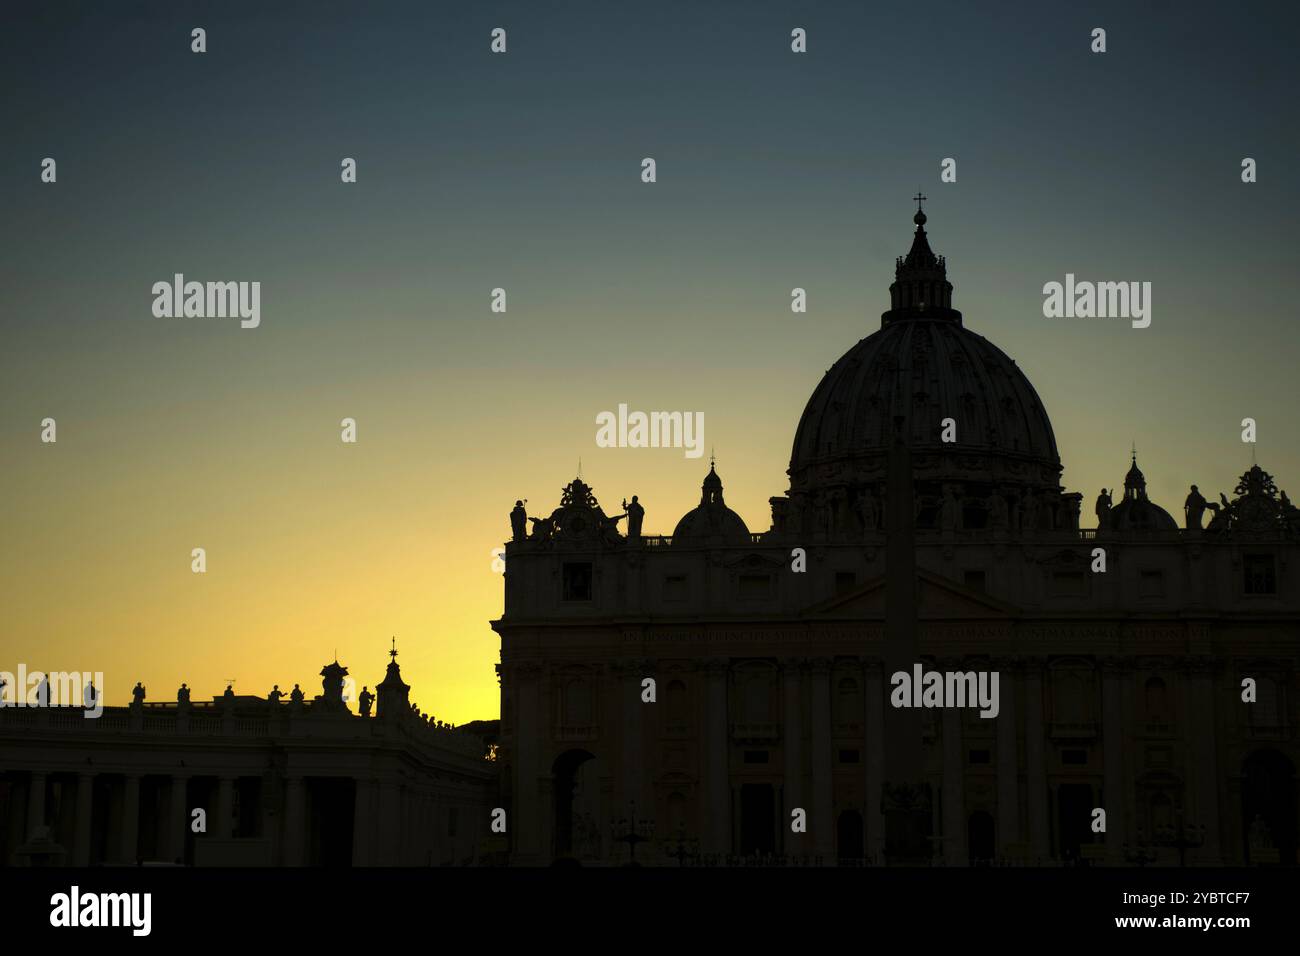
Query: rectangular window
x=453 y=818
x=845 y=581
x=979 y=756
x=675 y=587
x=974 y=579
x=1260 y=574
x=1074 y=757
x=577 y=581
x=1069 y=584
x=848 y=756
x=755 y=585
x=1151 y=584
x=755 y=756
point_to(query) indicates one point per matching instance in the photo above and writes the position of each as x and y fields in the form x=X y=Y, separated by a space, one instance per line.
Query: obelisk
x=905 y=797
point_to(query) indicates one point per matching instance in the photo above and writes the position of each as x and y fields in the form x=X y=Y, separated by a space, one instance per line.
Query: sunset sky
x=522 y=171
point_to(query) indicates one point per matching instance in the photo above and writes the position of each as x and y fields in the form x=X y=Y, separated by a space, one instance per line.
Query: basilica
x=721 y=695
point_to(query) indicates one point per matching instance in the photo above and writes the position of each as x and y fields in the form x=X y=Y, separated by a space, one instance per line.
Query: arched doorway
x=565 y=774
x=979 y=838
x=1268 y=807
x=849 y=839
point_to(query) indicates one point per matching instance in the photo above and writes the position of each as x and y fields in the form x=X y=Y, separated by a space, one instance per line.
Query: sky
x=522 y=171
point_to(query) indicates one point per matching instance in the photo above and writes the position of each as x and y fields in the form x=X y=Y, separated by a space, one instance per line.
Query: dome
x=923 y=366
x=711 y=518
x=1137 y=512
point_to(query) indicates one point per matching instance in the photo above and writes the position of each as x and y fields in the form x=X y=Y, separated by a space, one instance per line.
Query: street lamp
x=1182 y=837
x=632 y=830
x=688 y=848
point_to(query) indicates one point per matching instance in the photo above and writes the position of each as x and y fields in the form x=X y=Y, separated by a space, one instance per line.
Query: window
x=848 y=702
x=1260 y=574
x=1069 y=584
x=755 y=585
x=1074 y=757
x=577 y=703
x=1266 y=712
x=1151 y=584
x=758 y=700
x=755 y=756
x=577 y=581
x=676 y=700
x=973 y=579
x=677 y=707
x=675 y=587
x=1073 y=692
x=848 y=756
x=978 y=756
x=1157 y=700
x=453 y=817
x=845 y=581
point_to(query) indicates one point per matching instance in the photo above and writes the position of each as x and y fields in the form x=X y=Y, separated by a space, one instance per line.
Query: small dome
x=1141 y=514
x=711 y=518
x=1137 y=512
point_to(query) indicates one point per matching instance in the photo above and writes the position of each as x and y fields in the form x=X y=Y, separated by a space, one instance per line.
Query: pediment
x=938 y=598
x=755 y=562
x=1067 y=559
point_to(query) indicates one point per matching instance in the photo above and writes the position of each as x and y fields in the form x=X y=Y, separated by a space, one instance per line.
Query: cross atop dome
x=921 y=289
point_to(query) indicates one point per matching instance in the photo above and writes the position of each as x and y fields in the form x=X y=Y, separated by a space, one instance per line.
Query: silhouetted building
x=1119 y=690
x=288 y=784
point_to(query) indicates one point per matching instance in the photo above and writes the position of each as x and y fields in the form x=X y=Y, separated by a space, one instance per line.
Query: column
x=954 y=789
x=178 y=823
x=736 y=817
x=81 y=836
x=783 y=834
x=645 y=801
x=792 y=736
x=629 y=684
x=35 y=803
x=821 y=819
x=129 y=851
x=1205 y=766
x=407 y=836
x=718 y=773
x=295 y=808
x=530 y=726
x=1114 y=743
x=1036 y=761
x=365 y=812
x=225 y=807
x=874 y=758
x=1008 y=759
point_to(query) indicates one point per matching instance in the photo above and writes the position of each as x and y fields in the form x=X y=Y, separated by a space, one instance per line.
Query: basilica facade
x=723 y=695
